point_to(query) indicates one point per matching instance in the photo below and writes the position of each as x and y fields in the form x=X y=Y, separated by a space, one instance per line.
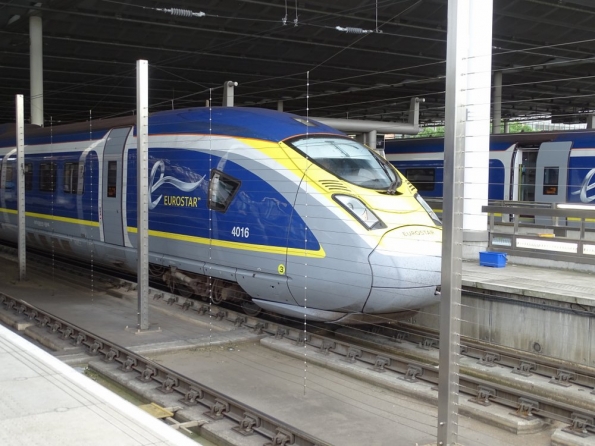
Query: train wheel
x=156 y=270
x=250 y=308
x=184 y=290
x=216 y=292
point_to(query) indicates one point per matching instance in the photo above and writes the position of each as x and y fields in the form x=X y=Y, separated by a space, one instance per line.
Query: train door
x=112 y=194
x=552 y=172
x=552 y=175
x=7 y=181
x=524 y=170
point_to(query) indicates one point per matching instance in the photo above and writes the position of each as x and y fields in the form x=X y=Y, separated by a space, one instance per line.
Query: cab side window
x=222 y=189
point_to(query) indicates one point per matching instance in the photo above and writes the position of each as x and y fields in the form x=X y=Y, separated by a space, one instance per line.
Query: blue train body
x=250 y=206
x=542 y=166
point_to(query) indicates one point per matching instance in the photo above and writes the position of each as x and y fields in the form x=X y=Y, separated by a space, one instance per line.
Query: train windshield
x=349 y=160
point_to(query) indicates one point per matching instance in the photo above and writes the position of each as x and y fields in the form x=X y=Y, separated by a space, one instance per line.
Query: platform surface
x=45 y=402
x=547 y=283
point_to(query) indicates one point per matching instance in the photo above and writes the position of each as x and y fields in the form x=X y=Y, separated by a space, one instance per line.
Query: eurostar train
x=550 y=167
x=264 y=209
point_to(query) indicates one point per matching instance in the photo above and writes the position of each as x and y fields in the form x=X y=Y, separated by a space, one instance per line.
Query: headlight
x=360 y=211
x=428 y=209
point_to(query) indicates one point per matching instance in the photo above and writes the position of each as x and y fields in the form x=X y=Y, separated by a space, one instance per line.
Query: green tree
x=514 y=127
x=518 y=127
x=428 y=132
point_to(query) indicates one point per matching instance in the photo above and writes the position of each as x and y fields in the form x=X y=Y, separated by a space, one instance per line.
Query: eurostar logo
x=586 y=186
x=159 y=168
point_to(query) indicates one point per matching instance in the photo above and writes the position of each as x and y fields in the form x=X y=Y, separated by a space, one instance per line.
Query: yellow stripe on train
x=74 y=221
x=320 y=254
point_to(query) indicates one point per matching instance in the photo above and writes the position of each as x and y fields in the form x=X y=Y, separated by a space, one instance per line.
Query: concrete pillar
x=371 y=139
x=36 y=69
x=477 y=128
x=506 y=126
x=280 y=106
x=497 y=116
x=591 y=121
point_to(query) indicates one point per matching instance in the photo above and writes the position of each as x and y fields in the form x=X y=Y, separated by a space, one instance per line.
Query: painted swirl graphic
x=586 y=187
x=159 y=166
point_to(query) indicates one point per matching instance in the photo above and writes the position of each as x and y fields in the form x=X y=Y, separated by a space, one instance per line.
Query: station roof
x=290 y=50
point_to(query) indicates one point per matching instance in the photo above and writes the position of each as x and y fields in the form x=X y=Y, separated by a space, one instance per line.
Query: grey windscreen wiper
x=392 y=189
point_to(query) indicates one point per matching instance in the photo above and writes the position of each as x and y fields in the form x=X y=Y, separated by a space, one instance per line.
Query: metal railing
x=542 y=231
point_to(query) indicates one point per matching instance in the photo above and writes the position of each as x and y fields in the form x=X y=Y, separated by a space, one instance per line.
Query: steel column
x=228 y=93
x=36 y=69
x=454 y=153
x=142 y=172
x=20 y=173
x=497 y=115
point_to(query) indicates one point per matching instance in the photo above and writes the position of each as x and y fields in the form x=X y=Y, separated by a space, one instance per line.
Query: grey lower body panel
x=315 y=315
x=391 y=300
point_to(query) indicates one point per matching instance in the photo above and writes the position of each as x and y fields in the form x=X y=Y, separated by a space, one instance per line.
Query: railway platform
x=542 y=311
x=549 y=284
x=44 y=401
x=322 y=400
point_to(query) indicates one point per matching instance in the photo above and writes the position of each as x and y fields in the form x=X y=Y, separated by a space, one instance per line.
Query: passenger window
x=550 y=180
x=71 y=178
x=28 y=176
x=112 y=178
x=10 y=180
x=222 y=189
x=47 y=177
x=422 y=179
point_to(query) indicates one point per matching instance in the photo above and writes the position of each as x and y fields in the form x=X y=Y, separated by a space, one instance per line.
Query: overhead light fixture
x=576 y=207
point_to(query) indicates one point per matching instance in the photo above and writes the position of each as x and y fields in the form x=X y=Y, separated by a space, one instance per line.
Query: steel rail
x=248 y=420
x=519 y=362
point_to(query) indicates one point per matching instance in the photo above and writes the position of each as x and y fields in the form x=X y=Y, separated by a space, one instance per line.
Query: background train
x=261 y=208
x=549 y=167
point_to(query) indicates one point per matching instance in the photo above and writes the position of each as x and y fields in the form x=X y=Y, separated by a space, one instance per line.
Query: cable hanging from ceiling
x=284 y=19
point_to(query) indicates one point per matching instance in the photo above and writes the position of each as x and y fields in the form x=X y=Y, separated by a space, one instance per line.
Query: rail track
x=524 y=402
x=248 y=420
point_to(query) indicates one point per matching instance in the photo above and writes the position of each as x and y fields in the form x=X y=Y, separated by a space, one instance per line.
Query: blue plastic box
x=493 y=259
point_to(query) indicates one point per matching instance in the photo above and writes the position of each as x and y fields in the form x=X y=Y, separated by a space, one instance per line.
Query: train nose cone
x=406 y=270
